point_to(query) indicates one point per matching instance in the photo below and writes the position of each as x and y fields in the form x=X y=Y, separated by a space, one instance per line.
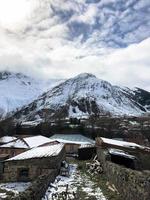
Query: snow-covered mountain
x=17 y=90
x=81 y=96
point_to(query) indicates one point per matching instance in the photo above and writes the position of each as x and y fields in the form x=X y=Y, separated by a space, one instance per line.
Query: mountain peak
x=85 y=76
x=82 y=95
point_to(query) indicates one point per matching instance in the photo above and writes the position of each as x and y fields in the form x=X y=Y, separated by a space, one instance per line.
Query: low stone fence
x=38 y=188
x=131 y=184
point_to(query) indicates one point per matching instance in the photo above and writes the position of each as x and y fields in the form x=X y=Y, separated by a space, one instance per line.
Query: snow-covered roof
x=119 y=152
x=121 y=143
x=6 y=139
x=86 y=146
x=31 y=123
x=18 y=143
x=28 y=142
x=39 y=152
x=72 y=139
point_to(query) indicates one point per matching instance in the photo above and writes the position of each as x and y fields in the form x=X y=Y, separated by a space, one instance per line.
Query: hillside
x=82 y=96
x=17 y=90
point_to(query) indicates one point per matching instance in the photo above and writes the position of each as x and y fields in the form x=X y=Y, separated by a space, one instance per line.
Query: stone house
x=72 y=141
x=22 y=144
x=28 y=165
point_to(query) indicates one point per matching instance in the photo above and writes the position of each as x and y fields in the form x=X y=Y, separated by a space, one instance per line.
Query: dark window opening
x=23 y=174
x=127 y=162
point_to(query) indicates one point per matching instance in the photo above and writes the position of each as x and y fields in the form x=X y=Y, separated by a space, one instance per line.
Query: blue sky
x=62 y=38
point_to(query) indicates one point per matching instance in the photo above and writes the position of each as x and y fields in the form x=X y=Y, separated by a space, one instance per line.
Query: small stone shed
x=72 y=141
x=128 y=154
x=29 y=165
x=127 y=166
x=22 y=144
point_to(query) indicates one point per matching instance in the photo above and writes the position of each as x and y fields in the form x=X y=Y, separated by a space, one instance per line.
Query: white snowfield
x=122 y=143
x=28 y=142
x=17 y=90
x=39 y=152
x=72 y=139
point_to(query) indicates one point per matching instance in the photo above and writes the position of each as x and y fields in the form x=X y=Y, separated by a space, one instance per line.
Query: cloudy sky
x=62 y=38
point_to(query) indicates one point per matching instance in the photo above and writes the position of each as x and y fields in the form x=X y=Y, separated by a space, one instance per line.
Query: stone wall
x=131 y=184
x=11 y=151
x=71 y=148
x=36 y=167
x=38 y=188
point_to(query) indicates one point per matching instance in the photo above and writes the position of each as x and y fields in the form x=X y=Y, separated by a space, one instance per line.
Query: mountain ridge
x=80 y=96
x=17 y=90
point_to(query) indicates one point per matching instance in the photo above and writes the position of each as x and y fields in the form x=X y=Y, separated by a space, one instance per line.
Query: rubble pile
x=94 y=167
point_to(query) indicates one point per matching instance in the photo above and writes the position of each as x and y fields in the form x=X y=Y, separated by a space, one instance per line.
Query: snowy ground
x=78 y=184
x=12 y=187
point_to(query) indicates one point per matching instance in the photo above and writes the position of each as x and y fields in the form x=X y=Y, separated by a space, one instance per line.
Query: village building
x=72 y=141
x=126 y=166
x=29 y=165
x=86 y=151
x=22 y=144
x=129 y=154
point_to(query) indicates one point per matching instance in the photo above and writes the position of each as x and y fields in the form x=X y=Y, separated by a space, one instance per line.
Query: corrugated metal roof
x=39 y=152
x=72 y=138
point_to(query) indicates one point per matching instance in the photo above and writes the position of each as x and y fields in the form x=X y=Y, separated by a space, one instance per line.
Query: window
x=23 y=174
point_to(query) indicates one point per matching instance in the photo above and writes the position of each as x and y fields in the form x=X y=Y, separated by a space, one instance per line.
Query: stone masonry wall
x=38 y=188
x=36 y=167
x=131 y=184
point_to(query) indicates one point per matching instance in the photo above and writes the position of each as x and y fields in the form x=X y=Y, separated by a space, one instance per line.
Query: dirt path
x=78 y=183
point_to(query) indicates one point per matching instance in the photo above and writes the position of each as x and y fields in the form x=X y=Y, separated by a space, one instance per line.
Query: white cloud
x=43 y=46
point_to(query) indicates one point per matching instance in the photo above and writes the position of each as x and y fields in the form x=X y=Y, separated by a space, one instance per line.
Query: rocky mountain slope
x=80 y=96
x=143 y=97
x=17 y=90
